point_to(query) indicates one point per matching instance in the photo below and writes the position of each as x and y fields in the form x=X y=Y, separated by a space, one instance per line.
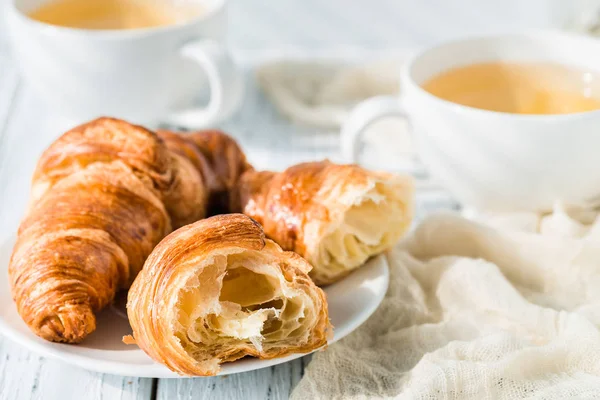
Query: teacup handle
x=225 y=82
x=364 y=115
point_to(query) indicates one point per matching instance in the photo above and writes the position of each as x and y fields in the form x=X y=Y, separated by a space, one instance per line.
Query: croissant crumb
x=129 y=339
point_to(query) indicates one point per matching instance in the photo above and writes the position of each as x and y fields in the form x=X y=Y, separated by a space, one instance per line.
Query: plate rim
x=52 y=350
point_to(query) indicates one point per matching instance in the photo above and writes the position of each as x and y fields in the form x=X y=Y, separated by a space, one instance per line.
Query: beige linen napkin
x=322 y=91
x=478 y=312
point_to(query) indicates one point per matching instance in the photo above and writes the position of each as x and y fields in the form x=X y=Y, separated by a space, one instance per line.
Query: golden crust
x=186 y=198
x=302 y=208
x=103 y=140
x=179 y=143
x=219 y=160
x=84 y=240
x=184 y=281
x=96 y=211
x=227 y=161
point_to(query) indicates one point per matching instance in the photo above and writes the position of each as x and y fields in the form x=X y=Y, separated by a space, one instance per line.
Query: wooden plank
x=24 y=375
x=18 y=371
x=272 y=383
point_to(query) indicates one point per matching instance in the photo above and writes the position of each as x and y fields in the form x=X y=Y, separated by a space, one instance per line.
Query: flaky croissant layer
x=217 y=290
x=95 y=214
x=335 y=216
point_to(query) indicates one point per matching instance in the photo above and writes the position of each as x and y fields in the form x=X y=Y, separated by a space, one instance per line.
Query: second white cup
x=492 y=160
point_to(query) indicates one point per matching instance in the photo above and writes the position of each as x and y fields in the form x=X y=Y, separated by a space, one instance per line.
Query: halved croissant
x=335 y=216
x=216 y=291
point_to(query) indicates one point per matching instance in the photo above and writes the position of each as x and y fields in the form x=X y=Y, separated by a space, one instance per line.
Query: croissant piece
x=220 y=162
x=187 y=201
x=187 y=197
x=217 y=290
x=228 y=162
x=108 y=139
x=217 y=157
x=335 y=216
x=83 y=240
x=180 y=143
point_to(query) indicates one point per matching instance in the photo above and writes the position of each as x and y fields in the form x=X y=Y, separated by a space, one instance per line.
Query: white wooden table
x=27 y=126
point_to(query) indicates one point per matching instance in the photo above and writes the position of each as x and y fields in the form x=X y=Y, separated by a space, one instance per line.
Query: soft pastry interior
x=222 y=303
x=372 y=220
x=250 y=308
x=336 y=216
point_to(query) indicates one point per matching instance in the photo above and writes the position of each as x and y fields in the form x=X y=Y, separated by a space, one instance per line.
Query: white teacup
x=147 y=75
x=493 y=160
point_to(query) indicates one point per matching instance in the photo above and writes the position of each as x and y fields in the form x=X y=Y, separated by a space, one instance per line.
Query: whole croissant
x=216 y=291
x=103 y=195
x=335 y=216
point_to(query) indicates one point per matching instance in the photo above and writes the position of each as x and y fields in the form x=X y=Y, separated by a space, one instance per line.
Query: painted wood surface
x=27 y=126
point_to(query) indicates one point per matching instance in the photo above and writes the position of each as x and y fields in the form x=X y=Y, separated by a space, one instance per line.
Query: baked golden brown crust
x=217 y=157
x=103 y=140
x=219 y=160
x=227 y=162
x=100 y=200
x=83 y=240
x=186 y=198
x=180 y=143
x=216 y=291
x=336 y=216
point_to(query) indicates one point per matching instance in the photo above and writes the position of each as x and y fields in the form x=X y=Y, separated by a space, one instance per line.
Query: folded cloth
x=322 y=91
x=474 y=311
x=564 y=221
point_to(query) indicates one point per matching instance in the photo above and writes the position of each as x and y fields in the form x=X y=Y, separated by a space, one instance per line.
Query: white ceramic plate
x=351 y=302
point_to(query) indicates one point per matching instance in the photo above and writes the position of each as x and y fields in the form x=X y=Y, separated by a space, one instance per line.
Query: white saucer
x=351 y=302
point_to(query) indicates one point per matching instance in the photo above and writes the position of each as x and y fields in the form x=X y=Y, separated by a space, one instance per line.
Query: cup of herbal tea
x=142 y=60
x=505 y=122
